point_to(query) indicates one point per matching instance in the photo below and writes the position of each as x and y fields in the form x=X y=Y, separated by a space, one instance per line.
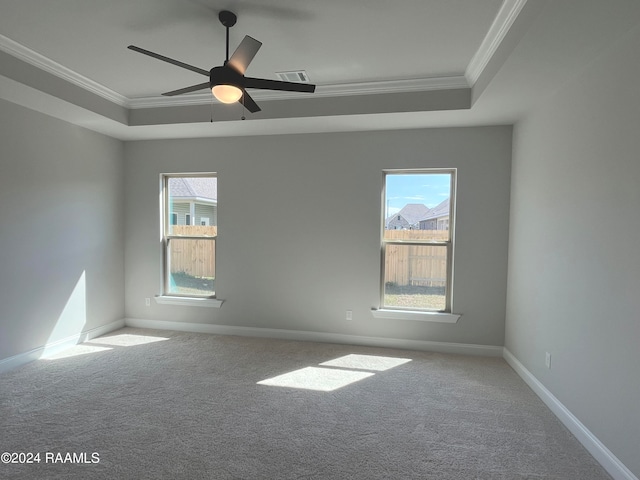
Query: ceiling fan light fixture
x=226 y=93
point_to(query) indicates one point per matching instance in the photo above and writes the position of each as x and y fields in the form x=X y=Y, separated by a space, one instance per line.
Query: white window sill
x=438 y=317
x=189 y=301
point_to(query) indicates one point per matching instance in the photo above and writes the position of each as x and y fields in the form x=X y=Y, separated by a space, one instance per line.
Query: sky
x=429 y=189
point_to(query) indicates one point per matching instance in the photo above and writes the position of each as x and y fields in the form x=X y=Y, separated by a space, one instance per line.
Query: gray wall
x=574 y=262
x=61 y=230
x=299 y=228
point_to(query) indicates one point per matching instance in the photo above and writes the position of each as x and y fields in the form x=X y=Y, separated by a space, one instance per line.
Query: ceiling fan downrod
x=228 y=19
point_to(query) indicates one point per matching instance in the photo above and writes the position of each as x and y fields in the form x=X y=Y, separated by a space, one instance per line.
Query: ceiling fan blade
x=248 y=102
x=192 y=88
x=169 y=60
x=245 y=52
x=267 y=84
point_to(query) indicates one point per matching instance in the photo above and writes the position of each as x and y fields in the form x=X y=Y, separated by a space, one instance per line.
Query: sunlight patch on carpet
x=75 y=351
x=314 y=378
x=366 y=362
x=127 y=340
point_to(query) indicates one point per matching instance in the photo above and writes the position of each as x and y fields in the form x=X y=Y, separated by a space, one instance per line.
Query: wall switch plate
x=547 y=360
x=147 y=302
x=349 y=315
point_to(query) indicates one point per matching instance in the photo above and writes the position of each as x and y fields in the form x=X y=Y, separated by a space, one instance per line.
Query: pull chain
x=212 y=108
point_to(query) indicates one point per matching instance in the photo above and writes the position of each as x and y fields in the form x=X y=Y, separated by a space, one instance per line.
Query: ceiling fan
x=228 y=82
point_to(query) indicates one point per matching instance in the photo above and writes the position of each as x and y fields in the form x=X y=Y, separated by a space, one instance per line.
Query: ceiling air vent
x=299 y=76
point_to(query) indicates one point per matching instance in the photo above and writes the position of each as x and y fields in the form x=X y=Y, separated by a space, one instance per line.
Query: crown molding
x=501 y=25
x=338 y=90
x=40 y=61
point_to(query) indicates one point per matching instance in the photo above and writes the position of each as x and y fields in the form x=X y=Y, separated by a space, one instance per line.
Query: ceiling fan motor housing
x=225 y=75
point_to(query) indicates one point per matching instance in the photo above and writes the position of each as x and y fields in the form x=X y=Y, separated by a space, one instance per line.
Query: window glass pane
x=192 y=266
x=189 y=200
x=417 y=206
x=415 y=276
x=190 y=210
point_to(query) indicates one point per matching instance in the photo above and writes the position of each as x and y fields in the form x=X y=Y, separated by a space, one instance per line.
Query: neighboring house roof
x=412 y=213
x=440 y=210
x=194 y=187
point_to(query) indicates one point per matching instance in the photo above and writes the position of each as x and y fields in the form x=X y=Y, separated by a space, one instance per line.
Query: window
x=189 y=251
x=417 y=255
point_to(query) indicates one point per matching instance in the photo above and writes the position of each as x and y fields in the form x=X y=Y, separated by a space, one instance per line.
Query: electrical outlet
x=547 y=360
x=349 y=315
x=147 y=302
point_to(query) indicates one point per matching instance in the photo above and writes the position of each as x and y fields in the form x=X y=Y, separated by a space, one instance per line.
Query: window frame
x=449 y=244
x=166 y=237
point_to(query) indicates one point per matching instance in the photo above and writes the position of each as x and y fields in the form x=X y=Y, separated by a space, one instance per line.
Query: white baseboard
x=602 y=454
x=442 y=347
x=57 y=346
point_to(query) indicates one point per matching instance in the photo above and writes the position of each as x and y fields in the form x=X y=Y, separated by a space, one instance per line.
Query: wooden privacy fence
x=195 y=257
x=404 y=264
x=424 y=265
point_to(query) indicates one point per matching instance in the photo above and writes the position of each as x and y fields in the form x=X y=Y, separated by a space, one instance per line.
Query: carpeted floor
x=150 y=404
